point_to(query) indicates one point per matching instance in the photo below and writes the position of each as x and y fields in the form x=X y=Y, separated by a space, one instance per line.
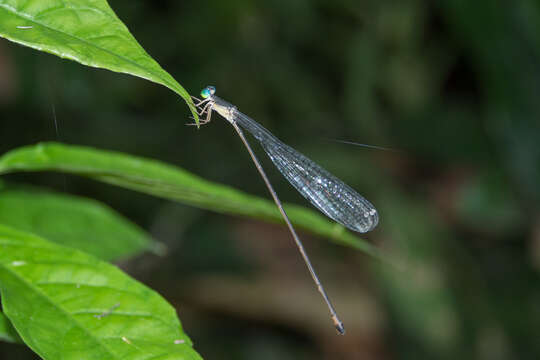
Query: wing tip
x=369 y=222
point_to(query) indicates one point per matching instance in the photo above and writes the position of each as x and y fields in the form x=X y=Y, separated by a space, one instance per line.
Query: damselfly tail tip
x=339 y=325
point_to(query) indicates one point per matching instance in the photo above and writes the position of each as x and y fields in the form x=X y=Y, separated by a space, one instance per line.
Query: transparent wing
x=330 y=195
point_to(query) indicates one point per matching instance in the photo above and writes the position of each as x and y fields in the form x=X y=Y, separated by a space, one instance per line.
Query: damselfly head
x=208 y=91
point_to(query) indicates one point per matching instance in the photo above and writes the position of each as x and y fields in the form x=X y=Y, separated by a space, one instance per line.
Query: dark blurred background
x=453 y=85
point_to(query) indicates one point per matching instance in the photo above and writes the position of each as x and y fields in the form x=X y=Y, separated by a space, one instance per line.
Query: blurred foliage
x=453 y=84
x=7 y=332
x=147 y=176
x=77 y=222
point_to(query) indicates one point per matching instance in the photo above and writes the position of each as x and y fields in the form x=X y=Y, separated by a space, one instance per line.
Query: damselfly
x=330 y=195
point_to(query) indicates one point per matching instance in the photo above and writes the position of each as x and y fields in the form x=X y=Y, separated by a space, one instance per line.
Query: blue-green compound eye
x=208 y=91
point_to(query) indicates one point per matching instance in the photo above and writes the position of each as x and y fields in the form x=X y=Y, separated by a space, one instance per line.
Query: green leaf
x=7 y=331
x=66 y=304
x=156 y=178
x=86 y=31
x=73 y=221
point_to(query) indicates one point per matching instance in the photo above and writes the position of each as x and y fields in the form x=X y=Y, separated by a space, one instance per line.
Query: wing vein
x=330 y=195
